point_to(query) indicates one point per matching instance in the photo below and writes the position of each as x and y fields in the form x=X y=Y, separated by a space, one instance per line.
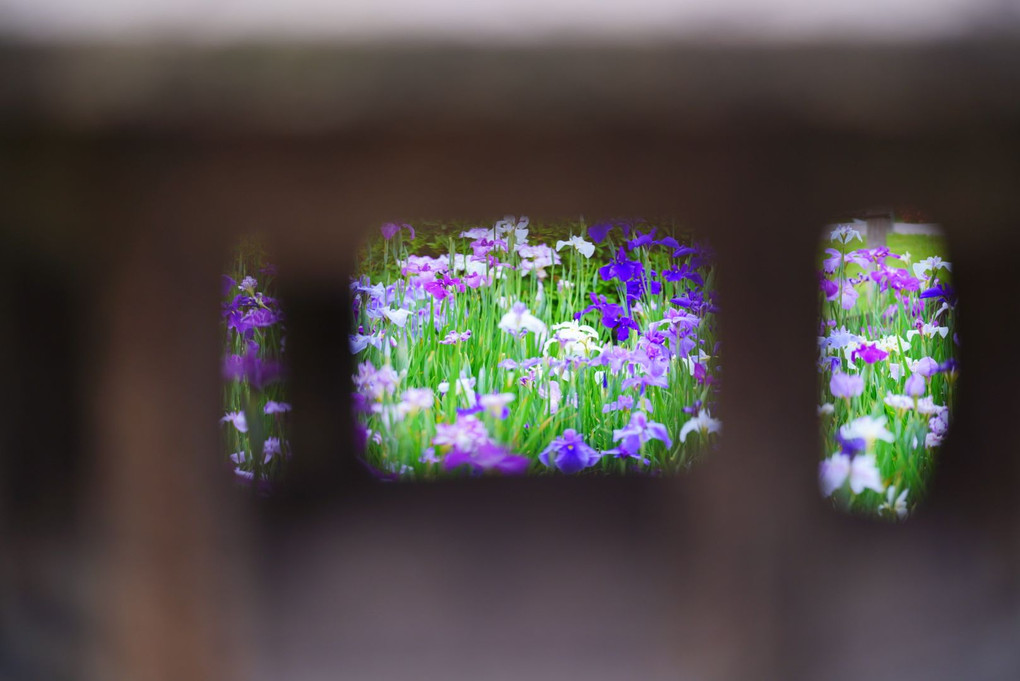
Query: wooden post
x=880 y=222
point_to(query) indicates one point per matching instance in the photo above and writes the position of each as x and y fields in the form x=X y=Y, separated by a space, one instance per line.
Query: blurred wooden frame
x=143 y=165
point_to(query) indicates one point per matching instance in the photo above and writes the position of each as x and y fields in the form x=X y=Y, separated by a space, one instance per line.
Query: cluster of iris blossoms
x=888 y=369
x=253 y=371
x=496 y=353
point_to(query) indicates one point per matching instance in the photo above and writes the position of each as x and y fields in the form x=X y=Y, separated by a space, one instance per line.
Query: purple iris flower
x=621 y=268
x=279 y=407
x=637 y=285
x=487 y=456
x=436 y=290
x=877 y=255
x=829 y=288
x=642 y=239
x=639 y=431
x=948 y=366
x=390 y=229
x=624 y=326
x=228 y=284
x=619 y=404
x=655 y=372
x=244 y=321
x=683 y=272
x=455 y=337
x=941 y=292
x=681 y=251
x=869 y=352
x=846 y=385
x=452 y=282
x=468 y=411
x=701 y=374
x=926 y=366
x=241 y=300
x=569 y=453
x=850 y=446
x=600 y=231
x=894 y=278
x=833 y=362
x=831 y=264
x=258 y=372
x=612 y=316
x=915 y=385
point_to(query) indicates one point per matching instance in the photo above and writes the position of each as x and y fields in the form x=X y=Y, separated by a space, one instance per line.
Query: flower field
x=544 y=349
x=254 y=394
x=887 y=362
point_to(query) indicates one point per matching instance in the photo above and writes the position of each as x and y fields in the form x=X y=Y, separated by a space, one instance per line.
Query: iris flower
x=496 y=404
x=569 y=453
x=930 y=266
x=846 y=385
x=390 y=229
x=861 y=471
x=893 y=504
x=237 y=419
x=702 y=423
x=276 y=407
x=519 y=321
x=844 y=234
x=585 y=248
x=868 y=429
x=488 y=457
x=870 y=353
x=639 y=431
x=455 y=337
x=415 y=400
x=621 y=268
x=915 y=385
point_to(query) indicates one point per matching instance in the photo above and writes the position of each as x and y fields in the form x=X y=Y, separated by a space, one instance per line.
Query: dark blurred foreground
x=126 y=552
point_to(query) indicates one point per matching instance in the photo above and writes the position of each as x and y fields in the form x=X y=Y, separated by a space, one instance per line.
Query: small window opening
x=887 y=360
x=526 y=347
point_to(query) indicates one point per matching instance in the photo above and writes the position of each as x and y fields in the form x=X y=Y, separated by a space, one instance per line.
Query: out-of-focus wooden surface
x=132 y=171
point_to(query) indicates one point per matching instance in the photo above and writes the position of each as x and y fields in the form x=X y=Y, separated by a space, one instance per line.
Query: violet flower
x=455 y=337
x=599 y=232
x=641 y=239
x=683 y=272
x=390 y=229
x=846 y=385
x=437 y=290
x=926 y=366
x=257 y=372
x=415 y=400
x=869 y=352
x=942 y=292
x=276 y=407
x=612 y=317
x=621 y=268
x=626 y=402
x=861 y=471
x=639 y=431
x=237 y=419
x=569 y=453
x=915 y=385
